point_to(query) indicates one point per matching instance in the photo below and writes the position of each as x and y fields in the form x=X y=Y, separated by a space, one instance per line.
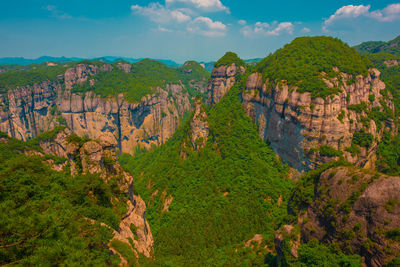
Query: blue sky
x=184 y=29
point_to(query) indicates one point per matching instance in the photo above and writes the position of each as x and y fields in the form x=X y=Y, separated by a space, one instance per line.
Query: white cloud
x=56 y=13
x=158 y=13
x=242 y=22
x=305 y=30
x=265 y=29
x=207 y=27
x=207 y=5
x=350 y=13
x=162 y=29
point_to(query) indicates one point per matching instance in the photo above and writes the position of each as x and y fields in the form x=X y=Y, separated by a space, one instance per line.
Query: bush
x=328 y=151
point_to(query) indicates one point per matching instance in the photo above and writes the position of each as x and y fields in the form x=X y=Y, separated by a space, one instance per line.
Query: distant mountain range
x=109 y=59
x=391 y=47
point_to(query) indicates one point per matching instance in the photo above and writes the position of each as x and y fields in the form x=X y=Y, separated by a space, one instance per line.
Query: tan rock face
x=391 y=63
x=357 y=209
x=27 y=111
x=91 y=157
x=296 y=125
x=199 y=127
x=141 y=236
x=222 y=79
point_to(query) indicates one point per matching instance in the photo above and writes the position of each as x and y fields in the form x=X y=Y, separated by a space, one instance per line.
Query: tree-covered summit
x=228 y=59
x=302 y=61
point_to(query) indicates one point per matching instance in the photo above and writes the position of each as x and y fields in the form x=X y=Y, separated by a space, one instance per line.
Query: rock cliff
x=301 y=129
x=357 y=209
x=99 y=157
x=222 y=79
x=26 y=111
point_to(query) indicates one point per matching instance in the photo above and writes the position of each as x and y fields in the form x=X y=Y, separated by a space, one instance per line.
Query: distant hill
x=392 y=47
x=108 y=59
x=210 y=65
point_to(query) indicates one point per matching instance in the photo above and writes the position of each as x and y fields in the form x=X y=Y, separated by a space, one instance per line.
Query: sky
x=181 y=30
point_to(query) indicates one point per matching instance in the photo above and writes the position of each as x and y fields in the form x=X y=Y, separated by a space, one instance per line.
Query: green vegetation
x=362 y=139
x=303 y=193
x=222 y=194
x=301 y=62
x=314 y=254
x=228 y=59
x=393 y=234
x=328 y=151
x=392 y=47
x=31 y=74
x=389 y=146
x=144 y=77
x=125 y=251
x=49 y=217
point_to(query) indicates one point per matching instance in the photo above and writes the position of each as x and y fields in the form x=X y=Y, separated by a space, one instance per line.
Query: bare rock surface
x=296 y=125
x=358 y=210
x=28 y=110
x=222 y=79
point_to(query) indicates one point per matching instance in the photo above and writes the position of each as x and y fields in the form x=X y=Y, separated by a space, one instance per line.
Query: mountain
x=208 y=186
x=108 y=59
x=125 y=102
x=392 y=47
x=293 y=161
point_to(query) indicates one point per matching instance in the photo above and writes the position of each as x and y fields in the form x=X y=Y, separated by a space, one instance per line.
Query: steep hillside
x=213 y=191
x=392 y=47
x=317 y=100
x=139 y=105
x=353 y=209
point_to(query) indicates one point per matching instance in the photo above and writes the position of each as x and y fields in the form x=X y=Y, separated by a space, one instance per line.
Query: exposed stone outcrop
x=199 y=126
x=90 y=157
x=291 y=235
x=29 y=110
x=134 y=229
x=391 y=62
x=81 y=72
x=222 y=79
x=199 y=131
x=99 y=157
x=296 y=125
x=125 y=67
x=357 y=209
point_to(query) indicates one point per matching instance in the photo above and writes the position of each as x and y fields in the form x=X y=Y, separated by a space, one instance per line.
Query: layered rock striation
x=222 y=79
x=298 y=125
x=27 y=111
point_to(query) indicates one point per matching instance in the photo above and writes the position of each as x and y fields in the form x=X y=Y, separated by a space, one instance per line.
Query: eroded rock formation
x=296 y=125
x=222 y=79
x=28 y=110
x=357 y=209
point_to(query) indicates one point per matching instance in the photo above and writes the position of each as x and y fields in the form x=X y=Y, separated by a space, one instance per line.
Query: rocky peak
x=306 y=131
x=125 y=67
x=222 y=80
x=199 y=126
x=88 y=156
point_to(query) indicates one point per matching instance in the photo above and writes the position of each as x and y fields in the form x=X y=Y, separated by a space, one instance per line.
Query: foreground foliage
x=49 y=217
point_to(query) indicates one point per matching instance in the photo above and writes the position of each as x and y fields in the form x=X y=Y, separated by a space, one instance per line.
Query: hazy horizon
x=182 y=30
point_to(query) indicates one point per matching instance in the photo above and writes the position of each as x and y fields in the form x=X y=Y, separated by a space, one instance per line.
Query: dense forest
x=392 y=47
x=49 y=217
x=226 y=203
x=301 y=63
